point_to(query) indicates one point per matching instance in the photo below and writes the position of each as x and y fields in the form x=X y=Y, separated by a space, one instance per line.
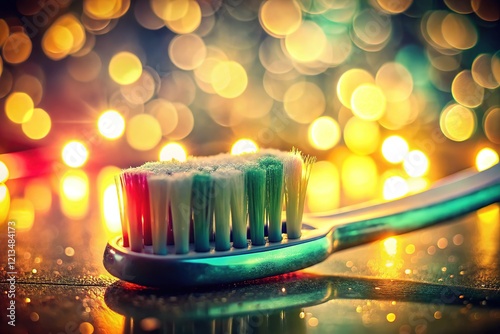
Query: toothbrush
x=185 y=224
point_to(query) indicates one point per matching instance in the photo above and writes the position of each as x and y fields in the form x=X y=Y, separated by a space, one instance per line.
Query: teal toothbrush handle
x=457 y=195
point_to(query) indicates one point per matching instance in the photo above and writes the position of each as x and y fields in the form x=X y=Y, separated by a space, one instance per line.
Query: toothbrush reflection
x=281 y=304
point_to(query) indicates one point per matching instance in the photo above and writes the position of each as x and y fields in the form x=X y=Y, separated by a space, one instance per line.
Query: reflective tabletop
x=442 y=279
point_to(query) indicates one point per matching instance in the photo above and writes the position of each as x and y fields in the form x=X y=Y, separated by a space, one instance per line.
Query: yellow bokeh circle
x=173 y=151
x=306 y=44
x=349 y=81
x=19 y=107
x=457 y=122
x=280 y=18
x=361 y=137
x=244 y=145
x=143 y=132
x=38 y=126
x=75 y=154
x=368 y=102
x=304 y=102
x=125 y=68
x=324 y=133
x=17 y=48
x=111 y=124
x=486 y=158
x=229 y=79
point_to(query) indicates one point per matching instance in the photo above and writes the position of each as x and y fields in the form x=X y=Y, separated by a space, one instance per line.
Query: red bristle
x=124 y=227
x=170 y=227
x=146 y=211
x=134 y=210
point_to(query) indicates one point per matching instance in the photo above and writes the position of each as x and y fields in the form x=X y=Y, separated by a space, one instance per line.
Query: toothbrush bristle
x=213 y=201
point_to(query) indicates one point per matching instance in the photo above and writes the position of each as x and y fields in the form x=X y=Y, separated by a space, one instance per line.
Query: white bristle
x=222 y=205
x=180 y=196
x=293 y=177
x=238 y=209
x=159 y=199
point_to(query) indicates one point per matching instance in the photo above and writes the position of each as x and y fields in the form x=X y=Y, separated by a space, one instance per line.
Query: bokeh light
x=4 y=202
x=125 y=68
x=458 y=31
x=368 y=102
x=395 y=81
x=394 y=7
x=74 y=194
x=142 y=90
x=22 y=212
x=359 y=177
x=304 y=96
x=4 y=172
x=229 y=79
x=4 y=31
x=349 y=81
x=371 y=30
x=184 y=18
x=457 y=123
x=169 y=10
x=324 y=133
x=110 y=209
x=491 y=124
x=30 y=85
x=108 y=199
x=306 y=43
x=244 y=145
x=416 y=163
x=323 y=192
x=39 y=192
x=19 y=107
x=38 y=126
x=486 y=158
x=109 y=9
x=187 y=52
x=361 y=137
x=482 y=71
x=65 y=36
x=466 y=91
x=143 y=132
x=280 y=18
x=111 y=124
x=75 y=154
x=17 y=48
x=166 y=114
x=395 y=149
x=394 y=187
x=185 y=122
x=173 y=151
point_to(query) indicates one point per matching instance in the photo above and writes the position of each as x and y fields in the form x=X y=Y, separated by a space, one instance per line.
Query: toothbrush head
x=214 y=220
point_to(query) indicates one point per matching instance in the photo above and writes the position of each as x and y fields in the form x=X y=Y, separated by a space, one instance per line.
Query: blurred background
x=390 y=96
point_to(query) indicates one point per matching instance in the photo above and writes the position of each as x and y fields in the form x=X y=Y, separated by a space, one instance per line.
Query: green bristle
x=180 y=190
x=255 y=181
x=159 y=198
x=238 y=210
x=222 y=205
x=274 y=195
x=202 y=210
